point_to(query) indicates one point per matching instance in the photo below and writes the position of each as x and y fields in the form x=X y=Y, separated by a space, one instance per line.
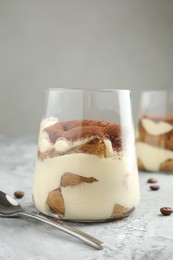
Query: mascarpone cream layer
x=151 y=156
x=117 y=183
x=156 y=128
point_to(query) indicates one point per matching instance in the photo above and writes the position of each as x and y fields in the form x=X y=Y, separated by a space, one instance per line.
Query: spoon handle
x=92 y=241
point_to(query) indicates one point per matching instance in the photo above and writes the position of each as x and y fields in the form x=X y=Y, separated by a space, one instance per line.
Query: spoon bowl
x=9 y=207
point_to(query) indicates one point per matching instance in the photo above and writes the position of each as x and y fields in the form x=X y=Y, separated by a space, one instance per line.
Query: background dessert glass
x=86 y=168
x=155 y=131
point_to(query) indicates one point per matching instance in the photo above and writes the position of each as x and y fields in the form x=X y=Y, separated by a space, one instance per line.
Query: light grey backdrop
x=125 y=44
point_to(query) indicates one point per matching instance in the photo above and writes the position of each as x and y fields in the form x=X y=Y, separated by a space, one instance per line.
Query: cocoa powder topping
x=80 y=129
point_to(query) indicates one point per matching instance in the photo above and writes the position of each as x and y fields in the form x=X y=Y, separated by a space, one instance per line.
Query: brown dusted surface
x=80 y=129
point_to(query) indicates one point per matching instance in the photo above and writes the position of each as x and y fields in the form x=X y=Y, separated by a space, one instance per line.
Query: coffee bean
x=154 y=187
x=152 y=180
x=19 y=194
x=166 y=211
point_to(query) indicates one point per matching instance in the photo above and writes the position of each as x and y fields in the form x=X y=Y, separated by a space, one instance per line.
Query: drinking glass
x=86 y=169
x=155 y=131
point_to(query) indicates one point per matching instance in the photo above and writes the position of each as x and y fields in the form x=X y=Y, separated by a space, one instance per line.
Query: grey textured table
x=146 y=234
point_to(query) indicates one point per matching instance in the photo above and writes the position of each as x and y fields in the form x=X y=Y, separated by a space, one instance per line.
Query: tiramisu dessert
x=155 y=144
x=86 y=170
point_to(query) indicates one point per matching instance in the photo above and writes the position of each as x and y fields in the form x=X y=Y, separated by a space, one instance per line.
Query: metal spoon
x=9 y=207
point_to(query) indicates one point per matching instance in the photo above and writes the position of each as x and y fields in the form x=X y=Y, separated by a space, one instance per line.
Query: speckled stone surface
x=145 y=234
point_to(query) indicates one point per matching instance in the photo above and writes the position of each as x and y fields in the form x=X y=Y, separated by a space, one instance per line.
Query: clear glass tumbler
x=155 y=131
x=86 y=168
